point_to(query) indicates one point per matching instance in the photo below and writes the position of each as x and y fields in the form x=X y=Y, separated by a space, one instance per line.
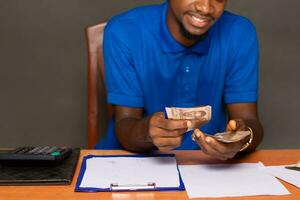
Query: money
x=231 y=136
x=196 y=115
x=228 y=136
x=202 y=113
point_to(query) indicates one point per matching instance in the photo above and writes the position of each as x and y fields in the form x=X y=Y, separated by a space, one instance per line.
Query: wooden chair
x=94 y=38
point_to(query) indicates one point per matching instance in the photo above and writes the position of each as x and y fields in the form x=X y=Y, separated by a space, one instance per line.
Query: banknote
x=202 y=113
x=228 y=136
x=196 y=115
x=231 y=136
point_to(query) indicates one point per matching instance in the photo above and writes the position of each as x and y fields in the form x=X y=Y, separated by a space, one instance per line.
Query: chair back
x=94 y=39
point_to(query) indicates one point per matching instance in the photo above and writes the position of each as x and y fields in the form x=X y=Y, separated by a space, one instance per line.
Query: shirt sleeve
x=122 y=85
x=241 y=80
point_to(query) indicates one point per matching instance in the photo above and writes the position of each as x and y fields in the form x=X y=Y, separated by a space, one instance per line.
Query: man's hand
x=219 y=150
x=166 y=134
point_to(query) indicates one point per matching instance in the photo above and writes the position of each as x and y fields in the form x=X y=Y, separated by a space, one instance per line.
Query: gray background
x=43 y=68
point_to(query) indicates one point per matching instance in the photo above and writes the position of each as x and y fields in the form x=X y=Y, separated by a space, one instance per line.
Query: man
x=183 y=53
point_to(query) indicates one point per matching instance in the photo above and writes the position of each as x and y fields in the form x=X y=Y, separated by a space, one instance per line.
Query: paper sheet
x=102 y=171
x=229 y=180
x=290 y=176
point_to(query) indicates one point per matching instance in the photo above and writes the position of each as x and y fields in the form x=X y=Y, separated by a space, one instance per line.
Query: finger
x=167 y=142
x=169 y=124
x=173 y=133
x=201 y=140
x=166 y=149
x=156 y=132
x=198 y=139
x=216 y=149
x=196 y=124
x=225 y=150
x=217 y=146
x=231 y=126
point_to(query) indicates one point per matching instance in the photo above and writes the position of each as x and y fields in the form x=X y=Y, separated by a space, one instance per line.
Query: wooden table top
x=66 y=192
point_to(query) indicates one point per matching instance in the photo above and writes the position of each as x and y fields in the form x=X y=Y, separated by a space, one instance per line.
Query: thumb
x=231 y=126
x=197 y=134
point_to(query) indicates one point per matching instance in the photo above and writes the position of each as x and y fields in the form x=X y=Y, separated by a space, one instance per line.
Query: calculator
x=28 y=154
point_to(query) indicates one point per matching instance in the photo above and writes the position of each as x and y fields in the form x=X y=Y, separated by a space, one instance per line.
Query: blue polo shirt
x=145 y=67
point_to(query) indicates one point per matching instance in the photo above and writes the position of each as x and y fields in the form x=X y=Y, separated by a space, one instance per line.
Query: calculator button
x=32 y=150
x=43 y=150
x=28 y=150
x=63 y=150
x=55 y=153
x=49 y=150
x=24 y=150
x=46 y=150
x=52 y=149
x=18 y=149
x=36 y=150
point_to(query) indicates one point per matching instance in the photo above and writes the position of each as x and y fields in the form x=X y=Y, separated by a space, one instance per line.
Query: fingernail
x=207 y=140
x=197 y=133
x=193 y=137
x=189 y=124
x=233 y=124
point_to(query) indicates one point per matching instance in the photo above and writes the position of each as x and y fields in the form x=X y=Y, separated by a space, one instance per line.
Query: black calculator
x=38 y=154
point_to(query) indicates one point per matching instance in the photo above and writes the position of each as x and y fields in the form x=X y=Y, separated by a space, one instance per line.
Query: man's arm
x=241 y=117
x=142 y=134
x=247 y=113
x=131 y=129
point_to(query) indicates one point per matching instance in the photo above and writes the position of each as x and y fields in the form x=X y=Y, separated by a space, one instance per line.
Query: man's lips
x=198 y=20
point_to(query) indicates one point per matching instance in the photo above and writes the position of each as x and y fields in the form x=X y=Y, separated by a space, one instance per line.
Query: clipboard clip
x=119 y=187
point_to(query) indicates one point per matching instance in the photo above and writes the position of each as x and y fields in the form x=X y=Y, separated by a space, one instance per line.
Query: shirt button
x=187 y=69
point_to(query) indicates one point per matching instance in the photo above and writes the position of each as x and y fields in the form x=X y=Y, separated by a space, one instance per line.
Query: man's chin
x=198 y=32
x=194 y=35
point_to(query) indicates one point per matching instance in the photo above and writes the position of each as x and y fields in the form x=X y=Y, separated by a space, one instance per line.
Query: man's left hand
x=219 y=150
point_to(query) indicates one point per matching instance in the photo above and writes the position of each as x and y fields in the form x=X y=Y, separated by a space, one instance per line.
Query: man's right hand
x=166 y=134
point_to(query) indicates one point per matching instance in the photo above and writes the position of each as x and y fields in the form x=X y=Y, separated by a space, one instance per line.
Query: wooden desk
x=268 y=157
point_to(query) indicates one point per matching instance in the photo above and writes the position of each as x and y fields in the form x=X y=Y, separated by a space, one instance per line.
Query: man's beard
x=189 y=35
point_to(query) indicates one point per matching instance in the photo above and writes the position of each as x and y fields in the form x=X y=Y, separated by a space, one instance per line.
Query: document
x=229 y=180
x=105 y=173
x=290 y=176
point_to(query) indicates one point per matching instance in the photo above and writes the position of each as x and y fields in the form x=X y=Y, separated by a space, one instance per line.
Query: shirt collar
x=170 y=45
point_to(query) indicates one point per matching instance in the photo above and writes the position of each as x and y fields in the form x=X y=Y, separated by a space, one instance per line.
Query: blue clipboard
x=126 y=188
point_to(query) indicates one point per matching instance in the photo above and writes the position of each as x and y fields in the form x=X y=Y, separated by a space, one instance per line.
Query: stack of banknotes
x=231 y=136
x=201 y=115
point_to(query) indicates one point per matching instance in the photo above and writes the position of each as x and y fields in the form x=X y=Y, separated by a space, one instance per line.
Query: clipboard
x=119 y=187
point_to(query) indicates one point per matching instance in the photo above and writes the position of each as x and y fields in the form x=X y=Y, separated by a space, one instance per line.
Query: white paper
x=290 y=176
x=229 y=180
x=101 y=172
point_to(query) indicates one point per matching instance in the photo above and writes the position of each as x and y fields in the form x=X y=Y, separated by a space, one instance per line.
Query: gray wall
x=43 y=68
